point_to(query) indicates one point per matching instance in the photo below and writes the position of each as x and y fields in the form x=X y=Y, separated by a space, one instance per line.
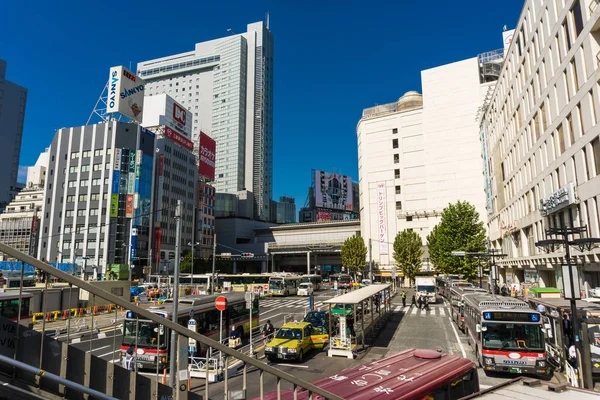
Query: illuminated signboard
x=511 y=316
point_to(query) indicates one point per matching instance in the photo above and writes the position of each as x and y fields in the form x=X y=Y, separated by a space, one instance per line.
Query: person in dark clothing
x=426 y=303
x=420 y=302
x=414 y=301
x=351 y=326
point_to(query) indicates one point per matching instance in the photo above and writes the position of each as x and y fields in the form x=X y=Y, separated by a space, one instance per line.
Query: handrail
x=165 y=322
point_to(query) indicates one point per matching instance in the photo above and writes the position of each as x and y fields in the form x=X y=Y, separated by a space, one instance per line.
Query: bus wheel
x=478 y=358
x=301 y=357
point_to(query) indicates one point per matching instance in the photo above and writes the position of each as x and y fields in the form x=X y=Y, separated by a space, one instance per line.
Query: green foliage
x=459 y=230
x=408 y=250
x=434 y=250
x=354 y=254
x=203 y=265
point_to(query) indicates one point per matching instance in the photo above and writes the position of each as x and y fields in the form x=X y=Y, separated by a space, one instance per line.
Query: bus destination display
x=511 y=316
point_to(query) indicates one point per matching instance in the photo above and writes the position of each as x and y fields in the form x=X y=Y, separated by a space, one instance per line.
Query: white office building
x=541 y=137
x=13 y=99
x=227 y=84
x=417 y=155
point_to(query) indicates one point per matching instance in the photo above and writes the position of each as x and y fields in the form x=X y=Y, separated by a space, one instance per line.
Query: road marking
x=397 y=308
x=292 y=365
x=445 y=311
x=76 y=341
x=414 y=311
x=484 y=386
x=462 y=349
x=101 y=335
x=99 y=348
x=108 y=354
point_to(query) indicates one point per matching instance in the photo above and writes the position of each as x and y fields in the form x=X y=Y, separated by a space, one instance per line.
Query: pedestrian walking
x=403 y=299
x=426 y=303
x=414 y=301
x=128 y=360
x=420 y=302
x=573 y=357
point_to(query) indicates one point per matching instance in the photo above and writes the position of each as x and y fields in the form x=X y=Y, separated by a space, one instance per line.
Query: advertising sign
x=117 y=160
x=486 y=172
x=131 y=183
x=208 y=149
x=132 y=156
x=594 y=339
x=134 y=236
x=125 y=93
x=507 y=37
x=129 y=206
x=157 y=239
x=323 y=216
x=115 y=182
x=563 y=197
x=333 y=191
x=114 y=205
x=179 y=139
x=382 y=218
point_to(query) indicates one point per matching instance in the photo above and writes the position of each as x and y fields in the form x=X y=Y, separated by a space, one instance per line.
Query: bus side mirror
x=478 y=328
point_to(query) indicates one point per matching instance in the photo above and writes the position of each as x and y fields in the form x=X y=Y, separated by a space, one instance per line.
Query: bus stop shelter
x=367 y=306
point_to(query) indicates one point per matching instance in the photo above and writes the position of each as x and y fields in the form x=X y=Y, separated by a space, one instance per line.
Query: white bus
x=284 y=285
x=316 y=280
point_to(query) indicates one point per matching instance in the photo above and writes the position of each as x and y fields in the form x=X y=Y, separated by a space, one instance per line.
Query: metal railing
x=96 y=294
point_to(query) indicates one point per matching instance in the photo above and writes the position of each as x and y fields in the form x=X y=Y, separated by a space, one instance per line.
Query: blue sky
x=332 y=59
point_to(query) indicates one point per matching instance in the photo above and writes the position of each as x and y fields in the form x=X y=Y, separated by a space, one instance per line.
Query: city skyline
x=319 y=78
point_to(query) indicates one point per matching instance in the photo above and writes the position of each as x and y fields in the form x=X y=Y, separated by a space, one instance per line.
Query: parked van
x=305 y=289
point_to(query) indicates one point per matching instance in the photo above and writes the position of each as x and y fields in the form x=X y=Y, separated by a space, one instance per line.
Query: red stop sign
x=221 y=303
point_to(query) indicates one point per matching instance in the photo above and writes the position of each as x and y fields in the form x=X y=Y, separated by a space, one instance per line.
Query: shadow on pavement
x=386 y=334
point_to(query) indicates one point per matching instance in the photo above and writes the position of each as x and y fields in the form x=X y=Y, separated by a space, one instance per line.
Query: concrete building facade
x=13 y=99
x=417 y=155
x=98 y=195
x=540 y=137
x=227 y=84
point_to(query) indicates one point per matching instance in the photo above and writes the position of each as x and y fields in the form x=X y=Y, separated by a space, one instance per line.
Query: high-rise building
x=13 y=99
x=286 y=210
x=97 y=197
x=422 y=152
x=227 y=84
x=331 y=197
x=541 y=142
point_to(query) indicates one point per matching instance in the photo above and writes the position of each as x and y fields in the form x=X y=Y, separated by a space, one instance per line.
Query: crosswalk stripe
x=414 y=311
x=397 y=308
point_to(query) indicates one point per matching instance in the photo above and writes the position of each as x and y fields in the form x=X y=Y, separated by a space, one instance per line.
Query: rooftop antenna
x=504 y=28
x=267 y=20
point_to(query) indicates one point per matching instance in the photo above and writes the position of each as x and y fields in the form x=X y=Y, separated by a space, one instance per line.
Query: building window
x=396 y=158
x=95 y=197
x=79 y=228
x=71 y=199
x=86 y=154
x=399 y=206
x=73 y=169
x=83 y=182
x=72 y=184
x=93 y=212
x=596 y=152
x=396 y=173
x=395 y=143
x=81 y=213
x=83 y=197
x=398 y=189
x=97 y=153
x=96 y=182
x=68 y=213
x=74 y=155
x=85 y=168
x=97 y=167
x=395 y=130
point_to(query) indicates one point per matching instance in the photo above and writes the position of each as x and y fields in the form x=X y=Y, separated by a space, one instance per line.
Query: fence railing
x=138 y=383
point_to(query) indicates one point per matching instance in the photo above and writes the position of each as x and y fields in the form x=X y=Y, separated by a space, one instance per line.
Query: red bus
x=9 y=307
x=506 y=334
x=411 y=374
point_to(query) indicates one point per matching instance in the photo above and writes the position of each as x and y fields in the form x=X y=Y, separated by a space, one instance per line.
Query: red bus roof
x=410 y=374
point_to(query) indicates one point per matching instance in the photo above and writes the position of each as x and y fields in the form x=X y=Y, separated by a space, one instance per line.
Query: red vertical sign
x=206 y=165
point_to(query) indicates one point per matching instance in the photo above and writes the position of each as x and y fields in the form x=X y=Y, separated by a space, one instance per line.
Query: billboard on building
x=125 y=93
x=333 y=191
x=208 y=149
x=323 y=216
x=507 y=37
x=179 y=139
x=382 y=219
x=129 y=206
x=163 y=110
x=157 y=243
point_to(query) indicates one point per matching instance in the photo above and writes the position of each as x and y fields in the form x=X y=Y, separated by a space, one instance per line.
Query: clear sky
x=332 y=59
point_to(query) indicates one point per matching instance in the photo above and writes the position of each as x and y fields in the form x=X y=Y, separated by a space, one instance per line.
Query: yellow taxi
x=294 y=340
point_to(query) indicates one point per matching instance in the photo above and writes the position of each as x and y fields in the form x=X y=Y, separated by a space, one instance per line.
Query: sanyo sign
x=125 y=93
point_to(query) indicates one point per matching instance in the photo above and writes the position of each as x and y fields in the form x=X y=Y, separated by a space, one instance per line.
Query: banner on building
x=116 y=181
x=117 y=160
x=208 y=149
x=157 y=239
x=323 y=216
x=114 y=205
x=129 y=206
x=179 y=139
x=382 y=219
x=125 y=93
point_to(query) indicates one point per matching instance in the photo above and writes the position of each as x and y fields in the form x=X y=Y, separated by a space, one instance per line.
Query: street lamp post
x=555 y=238
x=491 y=255
x=193 y=244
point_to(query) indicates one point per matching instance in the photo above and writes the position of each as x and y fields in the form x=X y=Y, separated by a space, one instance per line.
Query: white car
x=305 y=289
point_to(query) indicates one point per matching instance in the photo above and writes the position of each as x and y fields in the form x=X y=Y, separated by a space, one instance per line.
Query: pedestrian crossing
x=291 y=303
x=415 y=311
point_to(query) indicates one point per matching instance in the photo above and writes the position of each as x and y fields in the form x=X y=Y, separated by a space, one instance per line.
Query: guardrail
x=135 y=387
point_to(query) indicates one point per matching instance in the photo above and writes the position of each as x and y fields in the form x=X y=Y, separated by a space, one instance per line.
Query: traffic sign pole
x=221 y=305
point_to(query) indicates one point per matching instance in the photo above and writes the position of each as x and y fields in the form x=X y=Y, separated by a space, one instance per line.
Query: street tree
x=354 y=254
x=460 y=229
x=408 y=250
x=434 y=250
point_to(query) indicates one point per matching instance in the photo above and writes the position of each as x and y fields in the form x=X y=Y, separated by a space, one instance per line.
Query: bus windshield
x=517 y=337
x=277 y=285
x=147 y=335
x=427 y=289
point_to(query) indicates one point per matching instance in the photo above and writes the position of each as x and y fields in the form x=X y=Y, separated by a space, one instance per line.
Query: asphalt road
x=407 y=328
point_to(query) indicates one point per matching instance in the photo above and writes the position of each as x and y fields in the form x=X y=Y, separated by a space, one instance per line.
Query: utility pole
x=173 y=354
x=212 y=276
x=370 y=260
